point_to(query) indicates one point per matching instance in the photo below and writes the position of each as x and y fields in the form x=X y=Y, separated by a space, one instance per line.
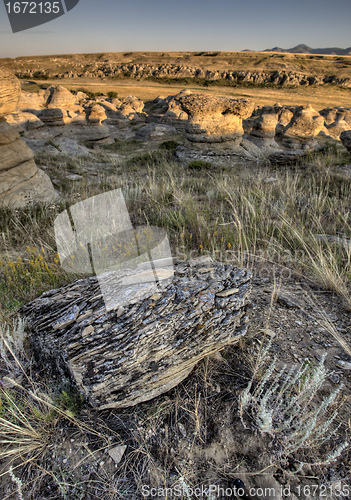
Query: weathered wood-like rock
x=133 y=353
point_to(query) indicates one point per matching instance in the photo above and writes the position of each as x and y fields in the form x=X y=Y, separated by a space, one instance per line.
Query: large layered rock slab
x=133 y=353
x=214 y=119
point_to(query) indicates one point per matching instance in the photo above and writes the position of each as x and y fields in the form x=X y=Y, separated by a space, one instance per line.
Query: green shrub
x=89 y=93
x=112 y=94
x=169 y=145
x=199 y=165
x=123 y=146
x=38 y=75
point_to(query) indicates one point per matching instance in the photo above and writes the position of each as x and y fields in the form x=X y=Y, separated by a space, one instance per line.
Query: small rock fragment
x=117 y=453
x=227 y=293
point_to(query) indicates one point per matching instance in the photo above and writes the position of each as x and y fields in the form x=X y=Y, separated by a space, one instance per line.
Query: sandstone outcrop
x=55 y=117
x=303 y=128
x=346 y=140
x=336 y=120
x=10 y=90
x=96 y=114
x=60 y=97
x=132 y=108
x=79 y=123
x=215 y=119
x=21 y=182
x=214 y=128
x=174 y=114
x=32 y=102
x=263 y=128
x=336 y=128
x=138 y=71
x=122 y=357
x=22 y=121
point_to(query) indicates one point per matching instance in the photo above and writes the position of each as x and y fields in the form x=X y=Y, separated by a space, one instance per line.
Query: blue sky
x=194 y=25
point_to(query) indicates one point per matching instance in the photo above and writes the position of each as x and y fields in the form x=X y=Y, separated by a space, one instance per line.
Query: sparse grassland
x=294 y=218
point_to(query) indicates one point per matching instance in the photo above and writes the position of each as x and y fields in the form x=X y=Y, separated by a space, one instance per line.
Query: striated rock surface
x=21 y=182
x=129 y=355
x=10 y=90
x=346 y=140
x=54 y=117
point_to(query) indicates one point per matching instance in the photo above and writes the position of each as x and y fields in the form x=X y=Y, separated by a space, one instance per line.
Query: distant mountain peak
x=305 y=49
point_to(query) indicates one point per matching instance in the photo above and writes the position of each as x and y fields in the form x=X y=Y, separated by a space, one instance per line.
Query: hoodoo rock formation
x=136 y=352
x=303 y=128
x=214 y=128
x=215 y=119
x=21 y=182
x=264 y=128
x=218 y=130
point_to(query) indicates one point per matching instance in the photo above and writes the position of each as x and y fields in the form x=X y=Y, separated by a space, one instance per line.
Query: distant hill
x=305 y=49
